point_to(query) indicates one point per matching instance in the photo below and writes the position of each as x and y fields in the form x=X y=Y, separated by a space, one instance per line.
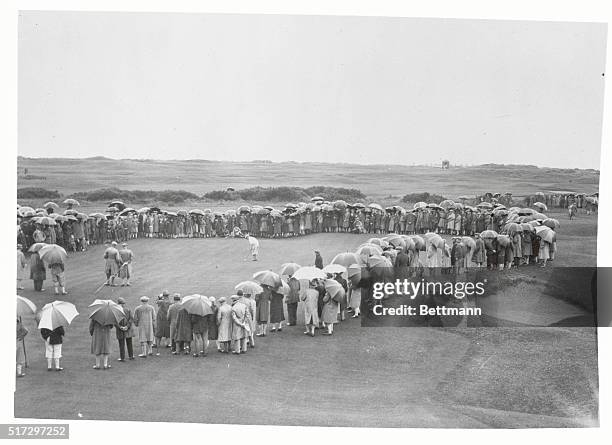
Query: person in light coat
x=172 y=317
x=251 y=305
x=240 y=325
x=310 y=298
x=145 y=320
x=225 y=322
x=21 y=267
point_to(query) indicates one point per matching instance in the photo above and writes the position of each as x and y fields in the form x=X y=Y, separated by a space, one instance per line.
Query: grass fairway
x=394 y=377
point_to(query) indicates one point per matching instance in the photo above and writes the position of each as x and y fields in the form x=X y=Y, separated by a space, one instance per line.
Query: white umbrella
x=58 y=313
x=334 y=268
x=309 y=273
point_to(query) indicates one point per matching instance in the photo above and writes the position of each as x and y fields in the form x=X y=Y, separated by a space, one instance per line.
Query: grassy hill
x=376 y=181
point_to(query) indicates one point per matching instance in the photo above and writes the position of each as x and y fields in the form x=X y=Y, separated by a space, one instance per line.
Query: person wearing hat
x=224 y=322
x=100 y=342
x=112 y=263
x=173 y=312
x=240 y=325
x=21 y=266
x=253 y=246
x=318 y=260
x=162 y=326
x=145 y=320
x=125 y=332
x=38 y=271
x=125 y=270
x=251 y=306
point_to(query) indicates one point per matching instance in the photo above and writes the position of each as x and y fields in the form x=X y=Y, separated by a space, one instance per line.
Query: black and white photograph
x=308 y=220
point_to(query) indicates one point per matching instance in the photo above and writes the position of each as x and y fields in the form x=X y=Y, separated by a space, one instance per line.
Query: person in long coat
x=100 y=342
x=331 y=309
x=480 y=254
x=125 y=332
x=213 y=329
x=172 y=316
x=262 y=301
x=145 y=320
x=252 y=313
x=21 y=266
x=517 y=247
x=293 y=298
x=184 y=336
x=240 y=325
x=162 y=326
x=224 y=323
x=277 y=312
x=38 y=273
x=526 y=246
x=310 y=297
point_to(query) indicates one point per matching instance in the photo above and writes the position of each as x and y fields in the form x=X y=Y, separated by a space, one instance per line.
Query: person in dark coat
x=199 y=327
x=162 y=326
x=125 y=332
x=320 y=287
x=293 y=298
x=53 y=346
x=277 y=313
x=318 y=260
x=184 y=336
x=38 y=272
x=213 y=329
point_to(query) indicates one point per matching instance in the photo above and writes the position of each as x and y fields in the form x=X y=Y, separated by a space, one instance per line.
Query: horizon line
x=269 y=161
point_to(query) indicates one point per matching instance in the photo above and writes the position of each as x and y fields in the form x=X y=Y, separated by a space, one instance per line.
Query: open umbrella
x=268 y=278
x=71 y=202
x=244 y=209
x=546 y=233
x=196 y=212
x=485 y=205
x=409 y=243
x=538 y=215
x=369 y=249
x=526 y=211
x=339 y=204
x=182 y=213
x=144 y=210
x=112 y=209
x=116 y=203
x=420 y=205
x=126 y=211
x=359 y=205
x=249 y=287
x=353 y=273
x=468 y=242
x=334 y=268
x=289 y=268
x=71 y=212
x=309 y=273
x=106 y=312
x=24 y=306
x=419 y=242
x=56 y=314
x=378 y=261
x=45 y=221
x=395 y=239
x=463 y=198
x=36 y=247
x=52 y=253
x=378 y=242
x=375 y=206
x=512 y=228
x=503 y=240
x=541 y=206
x=284 y=288
x=552 y=223
x=346 y=259
x=434 y=206
x=317 y=198
x=50 y=204
x=447 y=203
x=197 y=305
x=526 y=227
x=489 y=234
x=98 y=215
x=334 y=289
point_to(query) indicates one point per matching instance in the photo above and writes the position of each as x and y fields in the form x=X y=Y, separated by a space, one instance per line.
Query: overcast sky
x=310 y=88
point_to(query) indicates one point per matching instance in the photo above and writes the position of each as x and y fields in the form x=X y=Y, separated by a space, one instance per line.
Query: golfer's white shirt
x=253 y=244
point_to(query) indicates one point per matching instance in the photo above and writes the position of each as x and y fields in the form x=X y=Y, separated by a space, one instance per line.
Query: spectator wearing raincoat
x=38 y=272
x=224 y=323
x=145 y=320
x=240 y=325
x=310 y=298
x=21 y=266
x=479 y=255
x=517 y=247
